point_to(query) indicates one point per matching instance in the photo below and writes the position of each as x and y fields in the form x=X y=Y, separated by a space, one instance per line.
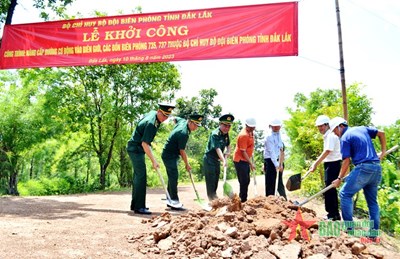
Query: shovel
x=277 y=174
x=327 y=188
x=294 y=181
x=228 y=190
x=170 y=203
x=254 y=179
x=204 y=205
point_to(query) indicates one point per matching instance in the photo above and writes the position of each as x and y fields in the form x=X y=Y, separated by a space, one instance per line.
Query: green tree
x=100 y=100
x=305 y=140
x=22 y=124
x=7 y=8
x=202 y=104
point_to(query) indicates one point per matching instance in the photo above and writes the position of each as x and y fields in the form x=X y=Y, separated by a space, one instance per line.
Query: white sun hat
x=336 y=122
x=321 y=120
x=275 y=122
x=251 y=122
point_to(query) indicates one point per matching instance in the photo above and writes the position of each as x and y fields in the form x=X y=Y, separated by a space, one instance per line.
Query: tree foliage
x=7 y=8
x=103 y=100
x=22 y=125
x=305 y=140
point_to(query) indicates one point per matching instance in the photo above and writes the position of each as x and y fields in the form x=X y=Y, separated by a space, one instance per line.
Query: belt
x=368 y=163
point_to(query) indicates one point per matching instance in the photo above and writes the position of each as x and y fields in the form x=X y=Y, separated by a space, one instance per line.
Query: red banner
x=233 y=32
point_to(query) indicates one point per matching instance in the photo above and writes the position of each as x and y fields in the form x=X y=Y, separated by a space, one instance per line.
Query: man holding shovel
x=332 y=159
x=242 y=156
x=138 y=146
x=214 y=154
x=357 y=147
x=273 y=147
x=175 y=148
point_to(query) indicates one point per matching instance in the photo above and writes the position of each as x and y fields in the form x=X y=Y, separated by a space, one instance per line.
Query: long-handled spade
x=170 y=203
x=327 y=188
x=277 y=175
x=228 y=190
x=254 y=179
x=204 y=205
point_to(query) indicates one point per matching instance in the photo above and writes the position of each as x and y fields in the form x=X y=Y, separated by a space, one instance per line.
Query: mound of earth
x=262 y=227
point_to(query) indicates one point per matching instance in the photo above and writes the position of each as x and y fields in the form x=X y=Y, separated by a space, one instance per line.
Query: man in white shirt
x=273 y=151
x=332 y=159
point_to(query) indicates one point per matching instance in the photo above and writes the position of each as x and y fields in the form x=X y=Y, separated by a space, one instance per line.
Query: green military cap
x=166 y=108
x=227 y=119
x=196 y=118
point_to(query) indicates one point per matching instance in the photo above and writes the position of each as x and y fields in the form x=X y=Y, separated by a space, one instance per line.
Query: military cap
x=196 y=118
x=227 y=119
x=166 y=108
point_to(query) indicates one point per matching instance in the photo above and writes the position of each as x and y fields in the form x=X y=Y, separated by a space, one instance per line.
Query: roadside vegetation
x=64 y=131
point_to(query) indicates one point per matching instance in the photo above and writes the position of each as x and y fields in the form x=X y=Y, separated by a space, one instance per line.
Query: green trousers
x=172 y=171
x=139 y=180
x=211 y=171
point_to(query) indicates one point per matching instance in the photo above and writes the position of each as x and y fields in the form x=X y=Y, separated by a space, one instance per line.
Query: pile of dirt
x=262 y=227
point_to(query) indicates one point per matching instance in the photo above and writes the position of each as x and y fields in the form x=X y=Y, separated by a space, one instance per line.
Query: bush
x=31 y=188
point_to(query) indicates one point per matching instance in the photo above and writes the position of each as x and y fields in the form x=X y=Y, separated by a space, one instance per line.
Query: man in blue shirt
x=356 y=144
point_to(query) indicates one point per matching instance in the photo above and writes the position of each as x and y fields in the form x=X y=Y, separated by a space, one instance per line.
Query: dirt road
x=85 y=226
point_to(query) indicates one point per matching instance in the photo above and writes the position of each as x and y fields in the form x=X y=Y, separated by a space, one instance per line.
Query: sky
x=265 y=87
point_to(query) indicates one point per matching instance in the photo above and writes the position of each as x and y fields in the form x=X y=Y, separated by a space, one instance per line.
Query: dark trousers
x=172 y=171
x=243 y=174
x=139 y=180
x=211 y=171
x=332 y=170
x=270 y=179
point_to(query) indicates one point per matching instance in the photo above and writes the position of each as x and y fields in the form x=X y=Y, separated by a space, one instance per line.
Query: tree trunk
x=31 y=169
x=12 y=184
x=124 y=169
x=10 y=12
x=102 y=177
x=89 y=165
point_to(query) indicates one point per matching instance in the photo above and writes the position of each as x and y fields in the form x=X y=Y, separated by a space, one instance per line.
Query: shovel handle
x=327 y=188
x=254 y=178
x=225 y=174
x=194 y=187
x=307 y=173
x=164 y=186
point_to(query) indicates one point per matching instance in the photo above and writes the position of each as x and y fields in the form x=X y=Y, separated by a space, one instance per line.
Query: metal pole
x=341 y=61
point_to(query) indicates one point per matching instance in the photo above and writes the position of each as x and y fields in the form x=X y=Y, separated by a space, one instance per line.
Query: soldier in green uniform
x=175 y=148
x=139 y=145
x=214 y=154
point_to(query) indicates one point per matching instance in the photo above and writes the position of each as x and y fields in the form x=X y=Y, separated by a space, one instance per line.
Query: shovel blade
x=228 y=190
x=205 y=206
x=174 y=204
x=294 y=182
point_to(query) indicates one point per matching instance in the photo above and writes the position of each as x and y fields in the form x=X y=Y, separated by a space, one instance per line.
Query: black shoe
x=132 y=209
x=142 y=211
